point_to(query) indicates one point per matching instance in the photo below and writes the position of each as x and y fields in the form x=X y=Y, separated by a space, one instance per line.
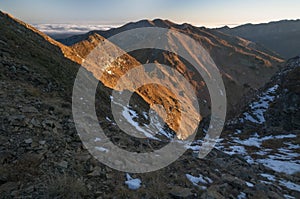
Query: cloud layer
x=70 y=28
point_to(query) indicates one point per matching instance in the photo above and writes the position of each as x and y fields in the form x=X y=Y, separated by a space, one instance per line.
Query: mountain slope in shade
x=267 y=130
x=281 y=37
x=244 y=65
x=23 y=42
x=65 y=50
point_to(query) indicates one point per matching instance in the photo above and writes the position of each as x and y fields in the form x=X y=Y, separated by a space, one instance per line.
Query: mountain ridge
x=216 y=43
x=279 y=36
x=65 y=50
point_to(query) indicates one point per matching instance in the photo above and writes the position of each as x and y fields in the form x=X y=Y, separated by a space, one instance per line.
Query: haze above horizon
x=116 y=12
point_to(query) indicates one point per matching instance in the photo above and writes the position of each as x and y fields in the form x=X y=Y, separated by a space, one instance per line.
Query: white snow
x=288 y=196
x=263 y=152
x=129 y=114
x=268 y=176
x=290 y=185
x=102 y=149
x=265 y=182
x=193 y=148
x=252 y=141
x=145 y=115
x=292 y=146
x=283 y=159
x=109 y=72
x=247 y=116
x=236 y=150
x=221 y=92
x=255 y=140
x=149 y=131
x=132 y=183
x=287 y=167
x=201 y=179
x=238 y=131
x=249 y=184
x=258 y=108
x=285 y=136
x=242 y=195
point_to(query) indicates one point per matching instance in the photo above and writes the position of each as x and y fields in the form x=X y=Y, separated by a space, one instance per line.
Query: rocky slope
x=267 y=130
x=41 y=155
x=281 y=37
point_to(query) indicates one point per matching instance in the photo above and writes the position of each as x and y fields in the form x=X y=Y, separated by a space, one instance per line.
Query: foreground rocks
x=42 y=156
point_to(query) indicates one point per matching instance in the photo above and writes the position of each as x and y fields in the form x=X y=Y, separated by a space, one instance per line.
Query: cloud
x=70 y=28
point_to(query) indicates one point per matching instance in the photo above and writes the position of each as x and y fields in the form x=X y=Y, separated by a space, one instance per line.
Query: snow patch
x=102 y=149
x=132 y=183
x=258 y=108
x=281 y=166
x=249 y=184
x=290 y=185
x=288 y=196
x=242 y=195
x=268 y=176
x=129 y=115
x=201 y=179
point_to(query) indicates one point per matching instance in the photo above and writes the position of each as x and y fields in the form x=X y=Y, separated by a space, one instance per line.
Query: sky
x=209 y=13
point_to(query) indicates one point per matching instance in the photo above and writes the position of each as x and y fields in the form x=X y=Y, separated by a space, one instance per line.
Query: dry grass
x=65 y=186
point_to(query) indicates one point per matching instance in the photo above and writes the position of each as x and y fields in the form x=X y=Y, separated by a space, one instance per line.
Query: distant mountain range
x=282 y=37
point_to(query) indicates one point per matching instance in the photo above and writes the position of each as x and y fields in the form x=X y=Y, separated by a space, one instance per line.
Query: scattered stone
x=35 y=122
x=29 y=109
x=25 y=68
x=34 y=144
x=42 y=142
x=97 y=171
x=5 y=156
x=48 y=124
x=28 y=141
x=16 y=117
x=83 y=156
x=63 y=164
x=8 y=187
x=180 y=192
x=13 y=69
x=3 y=42
x=30 y=159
